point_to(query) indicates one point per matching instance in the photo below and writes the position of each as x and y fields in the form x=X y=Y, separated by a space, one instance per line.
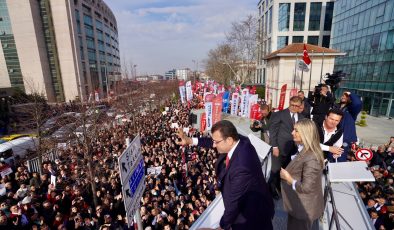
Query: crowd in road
x=61 y=197
x=177 y=192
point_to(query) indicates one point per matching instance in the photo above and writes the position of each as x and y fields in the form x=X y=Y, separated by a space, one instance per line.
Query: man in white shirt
x=331 y=136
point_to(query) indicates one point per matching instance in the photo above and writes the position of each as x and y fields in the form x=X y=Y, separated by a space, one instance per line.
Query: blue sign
x=226 y=101
x=136 y=177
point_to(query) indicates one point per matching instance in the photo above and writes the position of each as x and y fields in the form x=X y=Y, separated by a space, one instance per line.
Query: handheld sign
x=364 y=155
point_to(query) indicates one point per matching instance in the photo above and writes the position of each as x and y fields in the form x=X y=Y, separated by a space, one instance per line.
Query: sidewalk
x=378 y=131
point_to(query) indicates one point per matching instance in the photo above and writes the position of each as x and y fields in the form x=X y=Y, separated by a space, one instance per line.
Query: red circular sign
x=364 y=155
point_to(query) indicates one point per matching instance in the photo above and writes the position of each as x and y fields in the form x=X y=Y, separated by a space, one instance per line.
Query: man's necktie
x=293 y=118
x=227 y=161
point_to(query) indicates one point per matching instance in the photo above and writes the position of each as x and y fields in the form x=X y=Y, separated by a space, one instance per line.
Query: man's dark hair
x=335 y=111
x=324 y=85
x=226 y=129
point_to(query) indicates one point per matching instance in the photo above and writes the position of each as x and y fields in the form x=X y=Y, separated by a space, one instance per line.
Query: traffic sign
x=364 y=154
x=132 y=177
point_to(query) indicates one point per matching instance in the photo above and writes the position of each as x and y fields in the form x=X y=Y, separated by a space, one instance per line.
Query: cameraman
x=262 y=124
x=321 y=101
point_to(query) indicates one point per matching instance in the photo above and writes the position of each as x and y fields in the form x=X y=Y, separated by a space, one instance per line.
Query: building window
x=313 y=40
x=283 y=41
x=326 y=41
x=328 y=16
x=314 y=16
x=284 y=16
x=298 y=39
x=299 y=16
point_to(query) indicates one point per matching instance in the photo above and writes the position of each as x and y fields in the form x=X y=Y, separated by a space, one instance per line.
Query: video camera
x=334 y=79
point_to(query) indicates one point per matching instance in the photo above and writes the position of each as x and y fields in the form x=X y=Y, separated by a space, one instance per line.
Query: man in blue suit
x=247 y=201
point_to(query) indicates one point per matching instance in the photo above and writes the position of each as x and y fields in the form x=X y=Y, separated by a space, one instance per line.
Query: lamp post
x=135 y=71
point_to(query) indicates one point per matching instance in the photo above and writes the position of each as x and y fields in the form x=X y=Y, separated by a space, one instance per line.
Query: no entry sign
x=364 y=155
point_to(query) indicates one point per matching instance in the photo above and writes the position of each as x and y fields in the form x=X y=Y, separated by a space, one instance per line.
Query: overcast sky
x=159 y=35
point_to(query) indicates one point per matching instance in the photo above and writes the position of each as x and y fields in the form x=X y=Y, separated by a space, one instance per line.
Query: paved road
x=378 y=131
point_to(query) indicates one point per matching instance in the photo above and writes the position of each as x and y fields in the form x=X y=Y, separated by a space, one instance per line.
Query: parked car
x=55 y=123
x=18 y=147
x=65 y=133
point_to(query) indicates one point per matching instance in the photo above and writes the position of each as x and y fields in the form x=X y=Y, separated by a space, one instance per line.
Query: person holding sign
x=301 y=180
x=247 y=201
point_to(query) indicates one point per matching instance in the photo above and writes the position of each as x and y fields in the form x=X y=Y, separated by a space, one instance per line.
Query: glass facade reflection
x=283 y=41
x=284 y=17
x=9 y=48
x=365 y=31
x=299 y=16
x=314 y=16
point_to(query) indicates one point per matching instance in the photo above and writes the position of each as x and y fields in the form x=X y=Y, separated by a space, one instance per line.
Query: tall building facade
x=64 y=49
x=283 y=22
x=364 y=29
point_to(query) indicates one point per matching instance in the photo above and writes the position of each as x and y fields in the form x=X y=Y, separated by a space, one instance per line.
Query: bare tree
x=243 y=39
x=220 y=64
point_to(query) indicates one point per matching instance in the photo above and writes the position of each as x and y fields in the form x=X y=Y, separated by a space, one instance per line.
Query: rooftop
x=298 y=48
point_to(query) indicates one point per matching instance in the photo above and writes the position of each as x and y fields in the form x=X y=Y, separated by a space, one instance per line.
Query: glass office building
x=282 y=23
x=364 y=29
x=67 y=49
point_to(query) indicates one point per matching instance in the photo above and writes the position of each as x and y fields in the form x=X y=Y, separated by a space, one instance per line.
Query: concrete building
x=283 y=22
x=281 y=69
x=365 y=30
x=183 y=74
x=64 y=49
x=170 y=75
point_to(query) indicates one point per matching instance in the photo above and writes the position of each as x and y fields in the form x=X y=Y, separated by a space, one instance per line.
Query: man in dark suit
x=247 y=201
x=281 y=126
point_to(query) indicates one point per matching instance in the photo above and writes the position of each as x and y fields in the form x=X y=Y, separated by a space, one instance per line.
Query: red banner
x=255 y=111
x=203 y=122
x=282 y=97
x=217 y=108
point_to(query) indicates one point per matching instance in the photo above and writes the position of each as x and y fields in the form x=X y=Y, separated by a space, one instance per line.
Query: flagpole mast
x=295 y=71
x=310 y=76
x=321 y=70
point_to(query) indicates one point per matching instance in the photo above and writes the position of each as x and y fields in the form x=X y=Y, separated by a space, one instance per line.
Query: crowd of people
x=186 y=182
x=61 y=197
x=378 y=196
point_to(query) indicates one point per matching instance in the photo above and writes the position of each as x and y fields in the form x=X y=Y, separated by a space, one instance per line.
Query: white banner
x=154 y=170
x=252 y=100
x=215 y=88
x=244 y=102
x=189 y=92
x=234 y=103
x=182 y=92
x=208 y=113
x=302 y=66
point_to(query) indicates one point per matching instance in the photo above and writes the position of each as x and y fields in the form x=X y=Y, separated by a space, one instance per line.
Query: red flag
x=282 y=97
x=306 y=58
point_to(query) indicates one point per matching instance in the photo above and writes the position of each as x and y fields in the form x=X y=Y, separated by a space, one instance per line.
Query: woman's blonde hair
x=310 y=138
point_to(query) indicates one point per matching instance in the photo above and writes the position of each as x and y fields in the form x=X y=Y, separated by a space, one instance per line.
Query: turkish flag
x=306 y=58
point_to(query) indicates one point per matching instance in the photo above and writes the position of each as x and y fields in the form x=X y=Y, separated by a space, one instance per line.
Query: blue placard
x=136 y=177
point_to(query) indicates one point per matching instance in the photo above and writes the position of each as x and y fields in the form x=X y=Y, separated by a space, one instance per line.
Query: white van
x=18 y=147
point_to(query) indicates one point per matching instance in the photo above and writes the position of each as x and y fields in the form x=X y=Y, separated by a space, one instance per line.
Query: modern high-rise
x=65 y=49
x=283 y=22
x=364 y=29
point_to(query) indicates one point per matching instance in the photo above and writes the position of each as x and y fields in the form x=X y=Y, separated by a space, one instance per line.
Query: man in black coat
x=247 y=201
x=281 y=126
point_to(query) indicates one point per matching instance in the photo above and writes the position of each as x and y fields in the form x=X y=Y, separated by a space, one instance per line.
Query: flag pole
x=310 y=76
x=321 y=70
x=295 y=71
x=302 y=78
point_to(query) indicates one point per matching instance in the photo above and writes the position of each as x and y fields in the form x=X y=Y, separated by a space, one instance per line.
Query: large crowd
x=175 y=196
x=378 y=196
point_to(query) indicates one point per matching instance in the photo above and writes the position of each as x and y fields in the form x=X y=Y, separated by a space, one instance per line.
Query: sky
x=160 y=35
